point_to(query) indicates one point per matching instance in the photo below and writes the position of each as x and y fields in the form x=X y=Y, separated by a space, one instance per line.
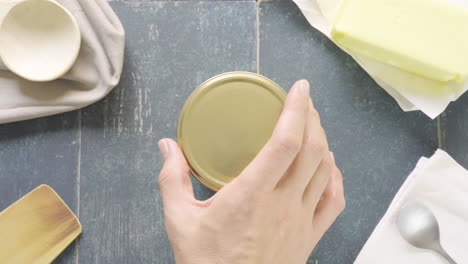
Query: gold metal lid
x=225 y=122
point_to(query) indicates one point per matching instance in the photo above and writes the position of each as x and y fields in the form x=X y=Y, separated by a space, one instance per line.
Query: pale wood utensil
x=36 y=228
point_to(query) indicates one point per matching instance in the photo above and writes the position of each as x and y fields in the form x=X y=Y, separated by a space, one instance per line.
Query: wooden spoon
x=36 y=228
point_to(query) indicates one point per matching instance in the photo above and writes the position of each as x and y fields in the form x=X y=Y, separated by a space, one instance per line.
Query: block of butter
x=425 y=37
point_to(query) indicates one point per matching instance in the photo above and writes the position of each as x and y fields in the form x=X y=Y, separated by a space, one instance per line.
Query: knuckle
x=288 y=144
x=340 y=176
x=299 y=108
x=339 y=198
x=340 y=202
x=315 y=114
x=316 y=146
x=336 y=172
x=328 y=164
x=163 y=176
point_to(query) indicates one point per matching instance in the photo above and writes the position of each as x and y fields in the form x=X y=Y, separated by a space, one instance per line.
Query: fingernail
x=163 y=148
x=332 y=156
x=303 y=87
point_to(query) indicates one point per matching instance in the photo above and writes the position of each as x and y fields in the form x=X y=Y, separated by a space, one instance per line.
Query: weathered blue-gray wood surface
x=171 y=48
x=41 y=151
x=454 y=129
x=104 y=162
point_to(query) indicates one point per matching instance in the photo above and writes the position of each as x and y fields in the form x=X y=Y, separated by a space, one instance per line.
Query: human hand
x=275 y=211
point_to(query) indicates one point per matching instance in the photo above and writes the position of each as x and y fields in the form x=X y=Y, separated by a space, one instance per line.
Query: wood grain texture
x=36 y=228
x=376 y=144
x=171 y=48
x=41 y=151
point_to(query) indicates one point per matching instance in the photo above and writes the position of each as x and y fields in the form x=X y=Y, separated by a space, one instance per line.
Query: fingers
x=316 y=186
x=174 y=180
x=331 y=204
x=280 y=151
x=314 y=149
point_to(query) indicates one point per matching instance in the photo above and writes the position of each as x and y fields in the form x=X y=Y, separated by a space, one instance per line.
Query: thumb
x=174 y=180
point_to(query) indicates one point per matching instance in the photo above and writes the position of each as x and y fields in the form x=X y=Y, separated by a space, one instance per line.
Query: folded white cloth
x=411 y=92
x=96 y=71
x=441 y=184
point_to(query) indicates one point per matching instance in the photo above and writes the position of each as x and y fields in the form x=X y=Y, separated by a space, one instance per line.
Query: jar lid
x=225 y=122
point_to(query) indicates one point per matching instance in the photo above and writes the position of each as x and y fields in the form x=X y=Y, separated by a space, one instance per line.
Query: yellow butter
x=424 y=37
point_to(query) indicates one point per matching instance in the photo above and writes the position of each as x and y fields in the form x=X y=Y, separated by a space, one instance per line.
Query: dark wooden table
x=104 y=162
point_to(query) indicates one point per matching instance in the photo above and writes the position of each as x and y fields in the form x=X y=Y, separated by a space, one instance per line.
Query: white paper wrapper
x=412 y=92
x=441 y=184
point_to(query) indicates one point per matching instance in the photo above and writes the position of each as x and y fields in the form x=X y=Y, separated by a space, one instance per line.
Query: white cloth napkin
x=441 y=184
x=96 y=71
x=411 y=92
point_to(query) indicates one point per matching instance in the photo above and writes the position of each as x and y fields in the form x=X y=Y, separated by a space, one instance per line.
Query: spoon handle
x=439 y=249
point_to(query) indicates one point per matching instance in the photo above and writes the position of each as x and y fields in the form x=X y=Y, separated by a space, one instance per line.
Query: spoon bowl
x=419 y=226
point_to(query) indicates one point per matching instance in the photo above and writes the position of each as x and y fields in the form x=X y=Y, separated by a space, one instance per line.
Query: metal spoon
x=418 y=225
